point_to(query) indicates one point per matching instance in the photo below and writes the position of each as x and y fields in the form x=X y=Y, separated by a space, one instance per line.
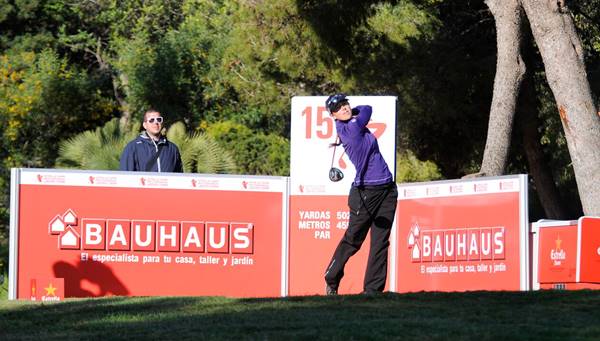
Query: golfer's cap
x=334 y=102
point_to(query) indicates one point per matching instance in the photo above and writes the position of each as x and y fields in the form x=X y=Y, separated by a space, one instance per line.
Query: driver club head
x=335 y=174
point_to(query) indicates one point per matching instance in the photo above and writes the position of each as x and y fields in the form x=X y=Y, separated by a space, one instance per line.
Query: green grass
x=542 y=315
x=3 y=286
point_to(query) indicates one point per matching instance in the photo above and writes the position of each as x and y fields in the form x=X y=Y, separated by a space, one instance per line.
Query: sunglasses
x=155 y=119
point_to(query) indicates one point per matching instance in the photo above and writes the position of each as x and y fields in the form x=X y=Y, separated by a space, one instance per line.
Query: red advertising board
x=566 y=254
x=317 y=224
x=463 y=235
x=558 y=254
x=589 y=231
x=138 y=234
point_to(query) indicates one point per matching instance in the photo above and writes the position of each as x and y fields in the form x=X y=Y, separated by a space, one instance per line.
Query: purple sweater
x=362 y=149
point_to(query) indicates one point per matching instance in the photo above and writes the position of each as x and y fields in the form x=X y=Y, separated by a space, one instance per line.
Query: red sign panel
x=462 y=235
x=135 y=240
x=558 y=254
x=590 y=249
x=317 y=224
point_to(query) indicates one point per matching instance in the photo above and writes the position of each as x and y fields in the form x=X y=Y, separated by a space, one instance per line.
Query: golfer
x=372 y=199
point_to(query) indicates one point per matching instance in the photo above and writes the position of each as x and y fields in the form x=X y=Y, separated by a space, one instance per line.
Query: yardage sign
x=318 y=207
x=139 y=234
x=463 y=235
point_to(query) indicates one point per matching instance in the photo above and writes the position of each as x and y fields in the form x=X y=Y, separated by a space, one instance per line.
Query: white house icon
x=69 y=239
x=413 y=242
x=70 y=218
x=416 y=252
x=416 y=229
x=56 y=225
x=413 y=235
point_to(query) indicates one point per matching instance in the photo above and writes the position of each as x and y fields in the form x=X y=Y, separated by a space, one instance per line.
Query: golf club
x=335 y=174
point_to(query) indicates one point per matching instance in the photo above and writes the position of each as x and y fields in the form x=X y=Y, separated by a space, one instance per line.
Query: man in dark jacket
x=151 y=151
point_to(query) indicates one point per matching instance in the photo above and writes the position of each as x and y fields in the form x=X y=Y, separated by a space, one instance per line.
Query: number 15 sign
x=313 y=129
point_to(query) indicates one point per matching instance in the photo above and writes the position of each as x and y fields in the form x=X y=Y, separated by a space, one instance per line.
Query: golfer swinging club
x=372 y=199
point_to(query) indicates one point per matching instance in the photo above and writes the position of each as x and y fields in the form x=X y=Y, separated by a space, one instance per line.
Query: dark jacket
x=139 y=152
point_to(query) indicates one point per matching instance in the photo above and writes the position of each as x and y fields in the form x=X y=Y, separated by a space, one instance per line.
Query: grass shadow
x=540 y=315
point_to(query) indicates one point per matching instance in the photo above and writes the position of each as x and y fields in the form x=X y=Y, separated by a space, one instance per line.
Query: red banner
x=166 y=240
x=462 y=235
x=590 y=249
x=558 y=254
x=317 y=224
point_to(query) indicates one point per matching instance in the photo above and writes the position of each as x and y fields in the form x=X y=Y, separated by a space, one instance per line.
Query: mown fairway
x=545 y=315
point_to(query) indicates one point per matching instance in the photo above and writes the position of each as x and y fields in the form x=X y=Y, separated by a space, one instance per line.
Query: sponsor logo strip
x=137 y=180
x=450 y=189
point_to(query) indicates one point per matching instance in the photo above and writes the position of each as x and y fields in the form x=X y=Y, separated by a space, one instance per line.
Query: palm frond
x=202 y=154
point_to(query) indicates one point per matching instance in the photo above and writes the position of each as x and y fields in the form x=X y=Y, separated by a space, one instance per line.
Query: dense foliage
x=228 y=69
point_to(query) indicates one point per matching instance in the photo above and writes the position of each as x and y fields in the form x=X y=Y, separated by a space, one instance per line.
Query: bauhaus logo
x=151 y=235
x=456 y=244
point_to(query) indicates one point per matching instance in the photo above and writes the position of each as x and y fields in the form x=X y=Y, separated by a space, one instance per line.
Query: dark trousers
x=372 y=208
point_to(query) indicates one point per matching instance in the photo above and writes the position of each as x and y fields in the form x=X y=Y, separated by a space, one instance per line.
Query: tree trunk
x=538 y=167
x=560 y=47
x=119 y=81
x=122 y=82
x=509 y=73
